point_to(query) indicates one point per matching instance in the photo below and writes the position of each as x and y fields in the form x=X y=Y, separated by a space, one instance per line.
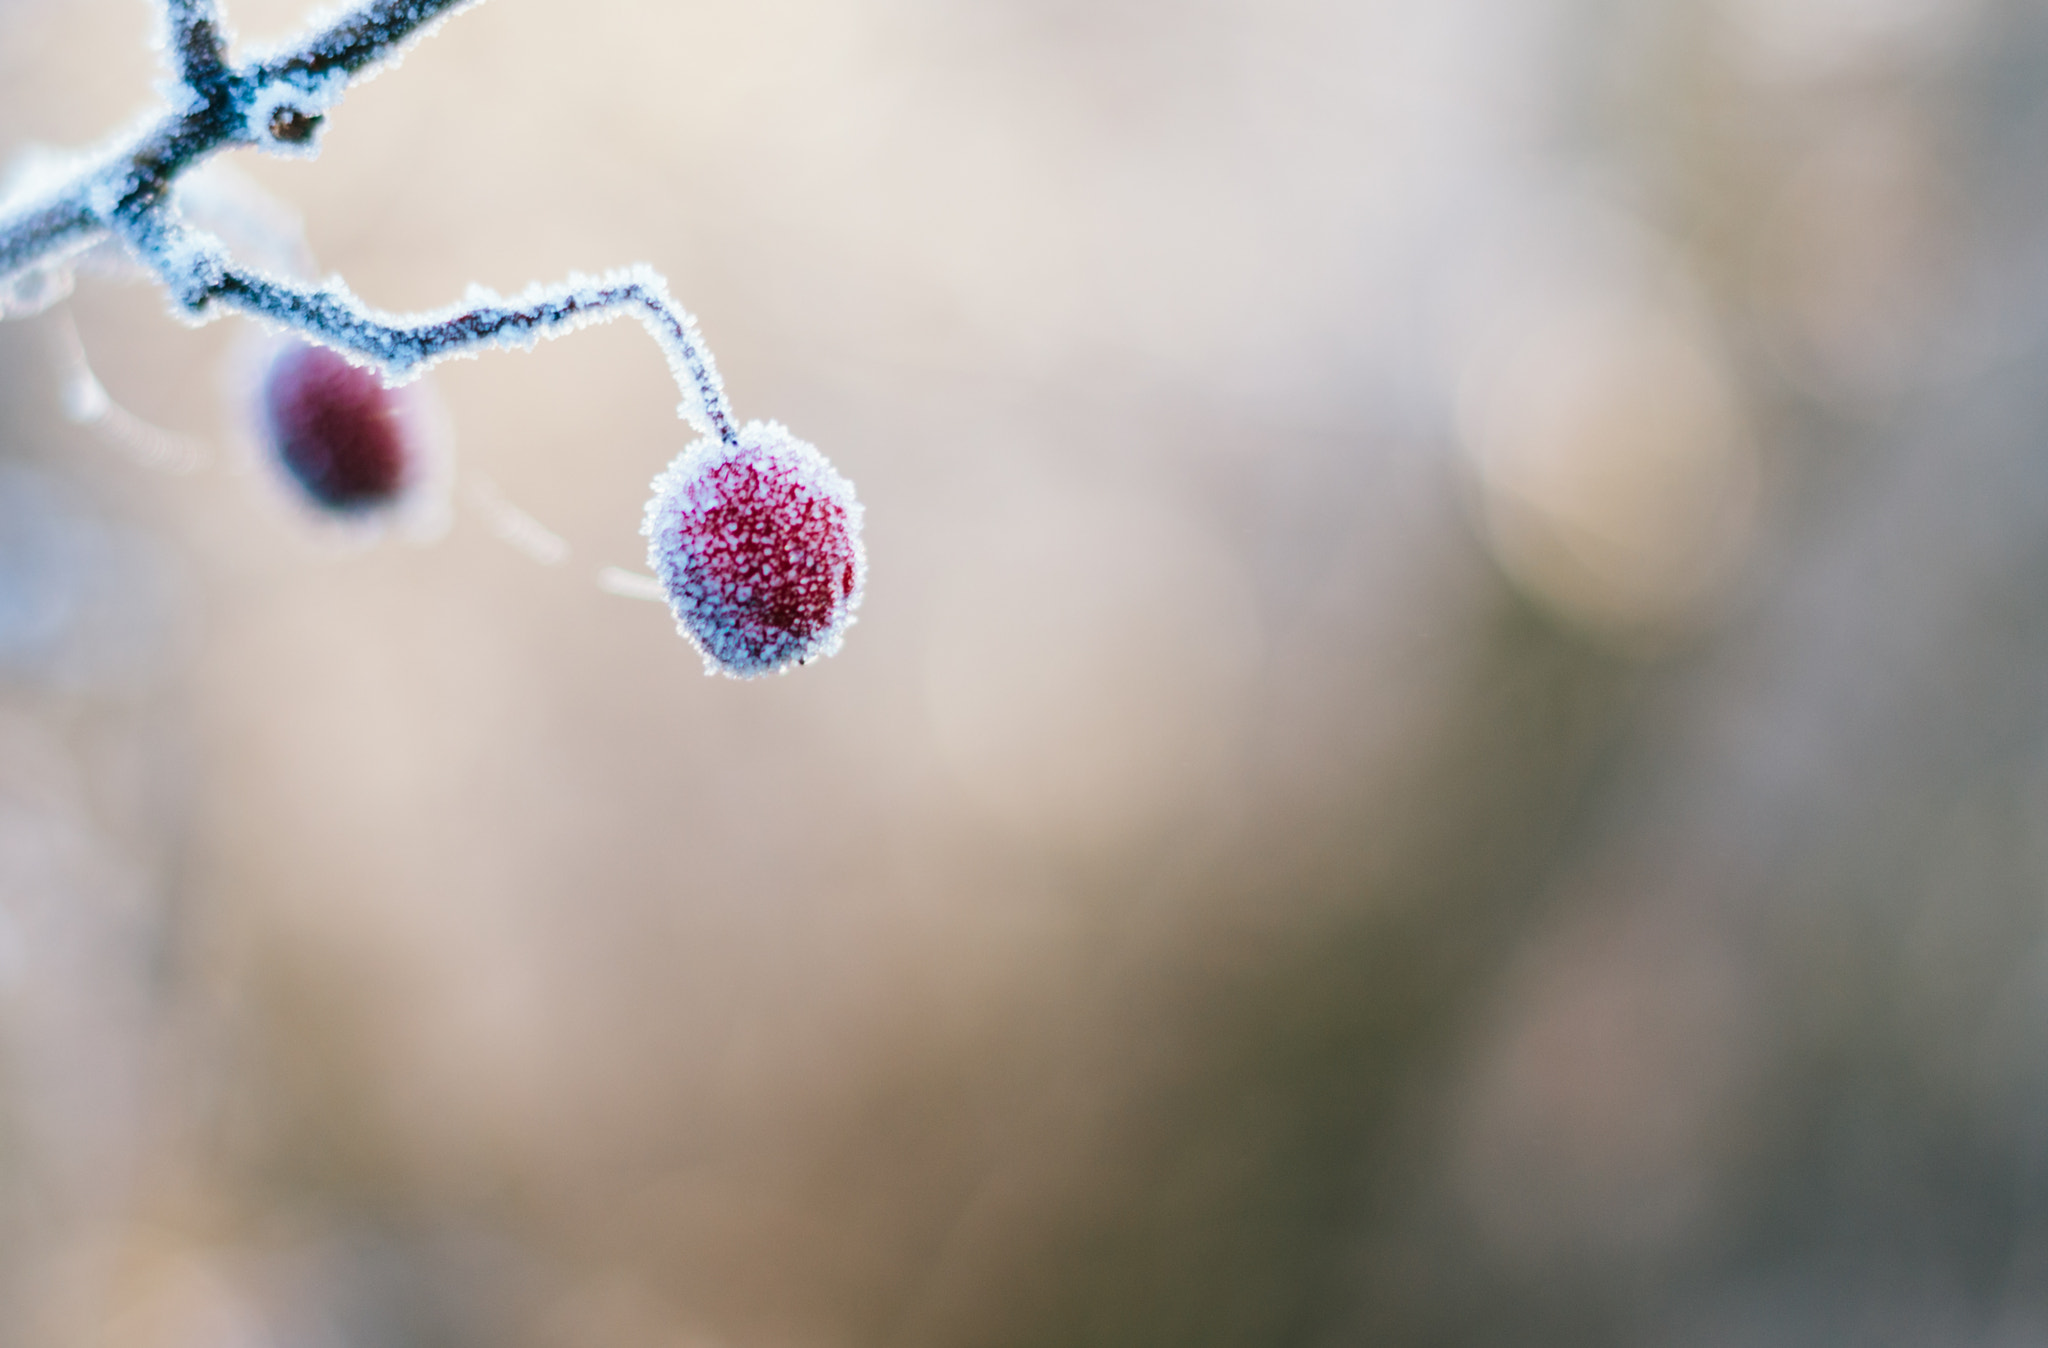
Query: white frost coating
x=392 y=56
x=193 y=265
x=404 y=346
x=557 y=310
x=38 y=177
x=180 y=98
x=307 y=95
x=38 y=172
x=757 y=542
x=189 y=262
x=104 y=190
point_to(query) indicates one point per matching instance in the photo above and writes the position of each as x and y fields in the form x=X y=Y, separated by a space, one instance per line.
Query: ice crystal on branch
x=322 y=411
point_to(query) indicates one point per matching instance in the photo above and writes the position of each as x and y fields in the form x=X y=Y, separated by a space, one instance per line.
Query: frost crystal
x=757 y=542
x=284 y=115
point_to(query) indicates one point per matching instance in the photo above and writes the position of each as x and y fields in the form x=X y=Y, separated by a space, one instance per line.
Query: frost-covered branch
x=756 y=537
x=47 y=229
x=279 y=101
x=194 y=268
x=196 y=44
x=365 y=36
x=276 y=101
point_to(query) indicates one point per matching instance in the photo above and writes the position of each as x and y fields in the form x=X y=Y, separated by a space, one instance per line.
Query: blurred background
x=1448 y=743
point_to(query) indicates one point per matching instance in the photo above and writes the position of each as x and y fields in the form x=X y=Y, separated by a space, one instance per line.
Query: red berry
x=758 y=544
x=337 y=430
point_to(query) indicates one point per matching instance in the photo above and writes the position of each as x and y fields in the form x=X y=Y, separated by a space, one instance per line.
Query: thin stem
x=406 y=345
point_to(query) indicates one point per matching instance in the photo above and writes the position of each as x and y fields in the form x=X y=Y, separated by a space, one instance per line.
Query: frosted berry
x=340 y=434
x=758 y=545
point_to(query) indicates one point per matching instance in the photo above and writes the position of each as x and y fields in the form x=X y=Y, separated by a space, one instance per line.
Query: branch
x=198 y=48
x=195 y=267
x=406 y=346
x=359 y=39
x=787 y=577
x=280 y=101
x=46 y=230
x=276 y=102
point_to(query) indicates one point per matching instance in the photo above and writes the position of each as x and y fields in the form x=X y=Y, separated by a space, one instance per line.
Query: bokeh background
x=1448 y=743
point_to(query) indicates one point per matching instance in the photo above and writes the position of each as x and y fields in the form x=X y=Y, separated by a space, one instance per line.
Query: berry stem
x=194 y=266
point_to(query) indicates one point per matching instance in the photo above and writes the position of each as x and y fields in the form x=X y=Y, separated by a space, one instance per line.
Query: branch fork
x=278 y=102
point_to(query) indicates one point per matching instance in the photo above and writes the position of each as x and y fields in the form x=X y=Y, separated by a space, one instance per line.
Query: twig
x=754 y=535
x=278 y=102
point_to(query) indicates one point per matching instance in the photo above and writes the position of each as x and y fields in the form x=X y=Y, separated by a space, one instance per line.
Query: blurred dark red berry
x=336 y=430
x=758 y=544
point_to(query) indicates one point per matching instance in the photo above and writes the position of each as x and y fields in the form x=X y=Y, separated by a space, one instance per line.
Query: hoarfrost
x=757 y=542
x=805 y=547
x=284 y=116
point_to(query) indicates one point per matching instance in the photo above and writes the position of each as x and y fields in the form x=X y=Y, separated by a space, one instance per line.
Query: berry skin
x=758 y=545
x=340 y=434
